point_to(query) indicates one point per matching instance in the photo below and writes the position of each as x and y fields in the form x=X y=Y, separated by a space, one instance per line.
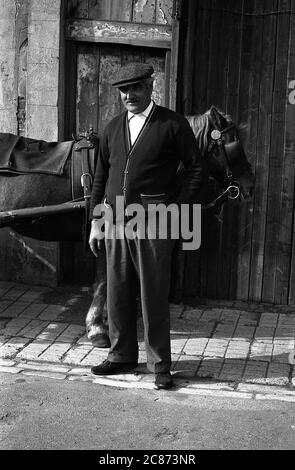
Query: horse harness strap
x=232 y=192
x=216 y=136
x=233 y=189
x=83 y=146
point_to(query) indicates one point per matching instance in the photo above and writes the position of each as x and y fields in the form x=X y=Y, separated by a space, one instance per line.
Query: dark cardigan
x=149 y=168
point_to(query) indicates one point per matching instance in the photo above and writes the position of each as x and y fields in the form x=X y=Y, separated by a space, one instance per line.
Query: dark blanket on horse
x=21 y=155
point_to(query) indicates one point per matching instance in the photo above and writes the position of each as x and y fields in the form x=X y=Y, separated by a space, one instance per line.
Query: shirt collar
x=144 y=113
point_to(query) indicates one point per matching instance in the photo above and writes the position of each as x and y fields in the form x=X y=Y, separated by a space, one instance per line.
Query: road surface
x=39 y=413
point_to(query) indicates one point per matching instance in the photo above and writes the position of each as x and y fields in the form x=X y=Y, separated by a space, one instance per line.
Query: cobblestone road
x=230 y=349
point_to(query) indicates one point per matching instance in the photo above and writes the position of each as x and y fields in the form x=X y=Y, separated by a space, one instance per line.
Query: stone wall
x=29 y=83
x=21 y=63
x=43 y=69
x=8 y=79
x=29 y=65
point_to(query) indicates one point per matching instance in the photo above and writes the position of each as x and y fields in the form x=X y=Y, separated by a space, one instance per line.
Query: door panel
x=97 y=102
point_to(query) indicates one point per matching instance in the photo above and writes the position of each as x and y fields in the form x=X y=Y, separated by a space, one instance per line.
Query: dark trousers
x=139 y=265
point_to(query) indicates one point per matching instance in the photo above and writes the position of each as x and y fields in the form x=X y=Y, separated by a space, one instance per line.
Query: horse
x=229 y=175
x=224 y=158
x=35 y=173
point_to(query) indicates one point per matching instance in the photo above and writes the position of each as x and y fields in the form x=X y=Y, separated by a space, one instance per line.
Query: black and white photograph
x=147 y=230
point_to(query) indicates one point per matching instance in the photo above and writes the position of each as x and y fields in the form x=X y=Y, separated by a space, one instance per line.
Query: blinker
x=234 y=151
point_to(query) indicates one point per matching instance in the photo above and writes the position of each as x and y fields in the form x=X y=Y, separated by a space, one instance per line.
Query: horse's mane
x=201 y=126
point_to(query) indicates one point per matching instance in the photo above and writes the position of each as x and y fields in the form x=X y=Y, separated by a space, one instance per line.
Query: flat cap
x=133 y=73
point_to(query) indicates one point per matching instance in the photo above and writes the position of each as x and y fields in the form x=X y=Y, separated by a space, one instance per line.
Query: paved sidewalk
x=221 y=349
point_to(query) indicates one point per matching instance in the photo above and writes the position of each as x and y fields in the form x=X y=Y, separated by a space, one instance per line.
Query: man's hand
x=95 y=237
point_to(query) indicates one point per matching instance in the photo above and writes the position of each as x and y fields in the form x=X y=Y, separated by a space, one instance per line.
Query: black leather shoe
x=108 y=368
x=163 y=381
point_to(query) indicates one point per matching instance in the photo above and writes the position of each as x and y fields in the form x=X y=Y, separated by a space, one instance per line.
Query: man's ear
x=151 y=83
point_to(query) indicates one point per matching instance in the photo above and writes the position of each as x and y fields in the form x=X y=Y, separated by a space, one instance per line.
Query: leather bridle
x=233 y=190
x=83 y=144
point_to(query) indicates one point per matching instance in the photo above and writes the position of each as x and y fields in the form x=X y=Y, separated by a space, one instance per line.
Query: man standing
x=140 y=152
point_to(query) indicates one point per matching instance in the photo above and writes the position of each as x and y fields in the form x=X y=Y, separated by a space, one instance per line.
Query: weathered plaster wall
x=29 y=81
x=43 y=69
x=8 y=79
x=21 y=62
x=29 y=65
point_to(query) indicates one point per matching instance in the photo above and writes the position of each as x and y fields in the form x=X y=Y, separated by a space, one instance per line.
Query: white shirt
x=137 y=121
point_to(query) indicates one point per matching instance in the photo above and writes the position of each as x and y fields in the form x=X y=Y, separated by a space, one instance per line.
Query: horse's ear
x=213 y=109
x=217 y=118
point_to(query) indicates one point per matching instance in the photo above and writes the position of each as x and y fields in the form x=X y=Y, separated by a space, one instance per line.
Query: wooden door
x=240 y=57
x=97 y=102
x=101 y=37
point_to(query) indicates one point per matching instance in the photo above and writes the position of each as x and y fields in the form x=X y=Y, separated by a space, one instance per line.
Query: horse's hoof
x=100 y=341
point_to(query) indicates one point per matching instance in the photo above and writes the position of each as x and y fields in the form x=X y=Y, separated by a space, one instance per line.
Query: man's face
x=136 y=97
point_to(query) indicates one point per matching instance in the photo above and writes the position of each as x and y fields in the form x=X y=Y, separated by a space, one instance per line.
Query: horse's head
x=219 y=141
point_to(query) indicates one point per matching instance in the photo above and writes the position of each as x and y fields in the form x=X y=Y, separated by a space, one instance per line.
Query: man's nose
x=129 y=93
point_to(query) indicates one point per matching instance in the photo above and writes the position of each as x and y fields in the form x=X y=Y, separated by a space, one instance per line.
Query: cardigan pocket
x=147 y=199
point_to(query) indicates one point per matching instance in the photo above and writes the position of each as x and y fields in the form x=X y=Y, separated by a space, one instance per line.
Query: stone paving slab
x=234 y=349
x=33 y=310
x=13 y=309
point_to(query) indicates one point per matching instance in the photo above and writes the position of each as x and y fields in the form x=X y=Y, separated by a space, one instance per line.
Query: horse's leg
x=96 y=319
